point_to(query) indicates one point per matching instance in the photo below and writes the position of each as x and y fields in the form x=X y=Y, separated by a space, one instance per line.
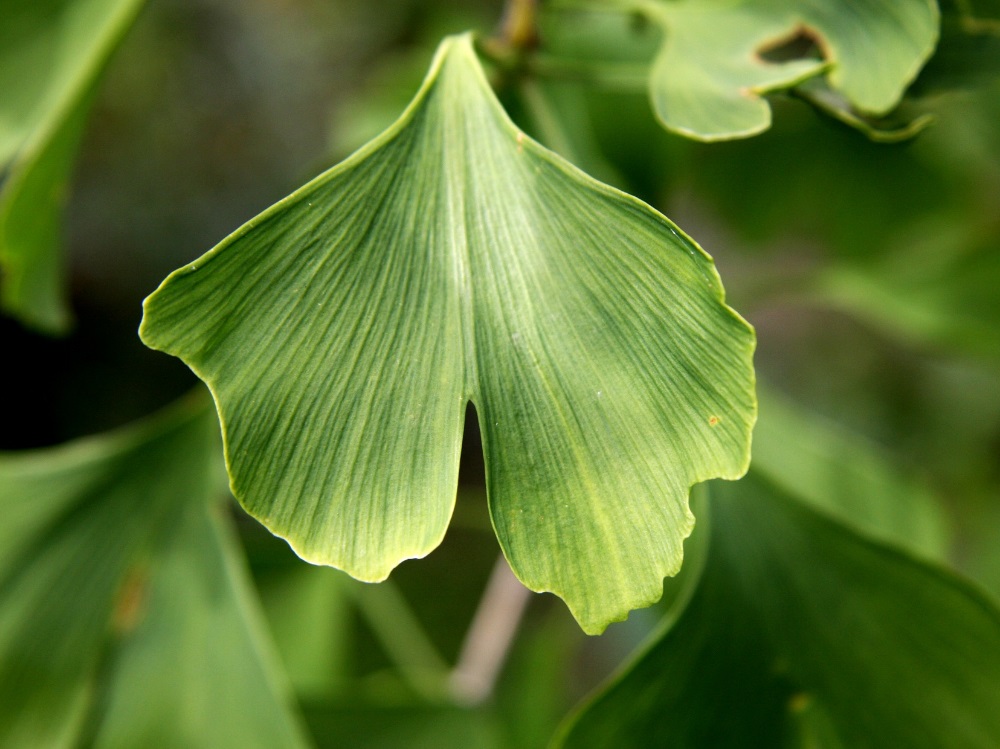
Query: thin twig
x=519 y=24
x=490 y=635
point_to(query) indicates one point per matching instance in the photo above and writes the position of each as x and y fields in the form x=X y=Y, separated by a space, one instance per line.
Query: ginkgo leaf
x=803 y=634
x=226 y=690
x=895 y=129
x=708 y=80
x=453 y=259
x=124 y=611
x=52 y=53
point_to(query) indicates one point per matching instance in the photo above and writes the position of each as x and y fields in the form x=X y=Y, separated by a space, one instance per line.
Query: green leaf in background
x=708 y=79
x=845 y=475
x=803 y=634
x=125 y=614
x=968 y=53
x=453 y=259
x=936 y=288
x=962 y=61
x=309 y=613
x=52 y=53
x=893 y=129
x=199 y=654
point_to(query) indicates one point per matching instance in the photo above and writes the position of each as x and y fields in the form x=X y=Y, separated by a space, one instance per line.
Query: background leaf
x=453 y=259
x=123 y=609
x=308 y=612
x=199 y=654
x=718 y=58
x=847 y=476
x=52 y=53
x=934 y=288
x=803 y=634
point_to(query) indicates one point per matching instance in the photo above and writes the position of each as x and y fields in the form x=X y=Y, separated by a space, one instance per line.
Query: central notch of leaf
x=453 y=259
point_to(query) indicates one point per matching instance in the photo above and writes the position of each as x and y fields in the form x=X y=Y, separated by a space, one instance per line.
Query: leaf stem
x=490 y=635
x=519 y=24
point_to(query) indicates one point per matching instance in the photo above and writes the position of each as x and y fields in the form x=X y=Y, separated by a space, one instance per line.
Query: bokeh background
x=870 y=271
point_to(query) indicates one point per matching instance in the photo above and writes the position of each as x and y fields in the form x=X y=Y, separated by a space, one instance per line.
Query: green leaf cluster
x=718 y=58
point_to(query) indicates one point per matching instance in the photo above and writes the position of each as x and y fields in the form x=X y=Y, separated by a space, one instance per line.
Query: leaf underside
x=453 y=259
x=708 y=80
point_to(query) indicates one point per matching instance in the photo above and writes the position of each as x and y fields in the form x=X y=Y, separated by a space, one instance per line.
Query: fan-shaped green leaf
x=803 y=634
x=708 y=79
x=124 y=614
x=51 y=54
x=344 y=331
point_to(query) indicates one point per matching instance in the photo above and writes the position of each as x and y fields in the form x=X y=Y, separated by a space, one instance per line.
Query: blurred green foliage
x=868 y=269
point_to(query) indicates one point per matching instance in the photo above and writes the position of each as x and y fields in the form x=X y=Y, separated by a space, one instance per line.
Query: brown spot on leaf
x=799 y=702
x=130 y=603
